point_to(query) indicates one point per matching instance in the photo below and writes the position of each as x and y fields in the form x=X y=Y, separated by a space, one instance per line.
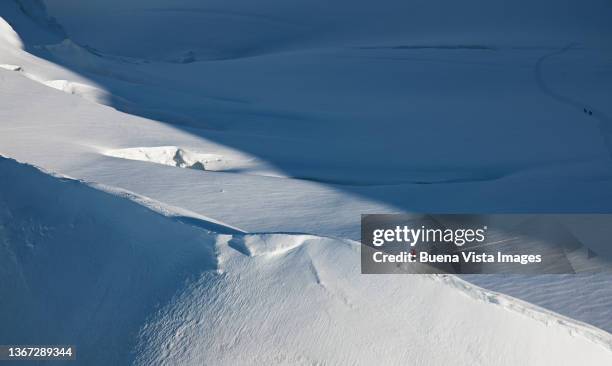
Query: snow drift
x=80 y=265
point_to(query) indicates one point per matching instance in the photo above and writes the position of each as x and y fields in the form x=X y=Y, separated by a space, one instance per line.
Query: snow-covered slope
x=80 y=265
x=183 y=30
x=357 y=130
x=296 y=123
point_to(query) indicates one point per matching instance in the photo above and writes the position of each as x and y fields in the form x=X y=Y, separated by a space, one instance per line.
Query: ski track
x=605 y=121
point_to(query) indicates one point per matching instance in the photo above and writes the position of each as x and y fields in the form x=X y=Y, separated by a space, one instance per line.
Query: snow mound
x=269 y=244
x=312 y=306
x=176 y=156
x=10 y=67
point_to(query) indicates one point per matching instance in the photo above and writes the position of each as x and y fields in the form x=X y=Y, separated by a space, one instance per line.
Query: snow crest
x=269 y=244
x=153 y=287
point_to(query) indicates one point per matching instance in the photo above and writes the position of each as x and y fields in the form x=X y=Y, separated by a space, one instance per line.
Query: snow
x=10 y=67
x=164 y=29
x=589 y=301
x=9 y=36
x=104 y=272
x=182 y=158
x=77 y=265
x=295 y=119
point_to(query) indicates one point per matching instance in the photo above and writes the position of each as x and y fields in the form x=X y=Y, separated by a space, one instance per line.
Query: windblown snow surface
x=204 y=164
x=84 y=266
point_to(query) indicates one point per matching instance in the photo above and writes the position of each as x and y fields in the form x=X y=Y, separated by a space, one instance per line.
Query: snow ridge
x=229 y=262
x=572 y=326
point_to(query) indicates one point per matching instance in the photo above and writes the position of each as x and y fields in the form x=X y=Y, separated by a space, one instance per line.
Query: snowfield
x=182 y=181
x=84 y=265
